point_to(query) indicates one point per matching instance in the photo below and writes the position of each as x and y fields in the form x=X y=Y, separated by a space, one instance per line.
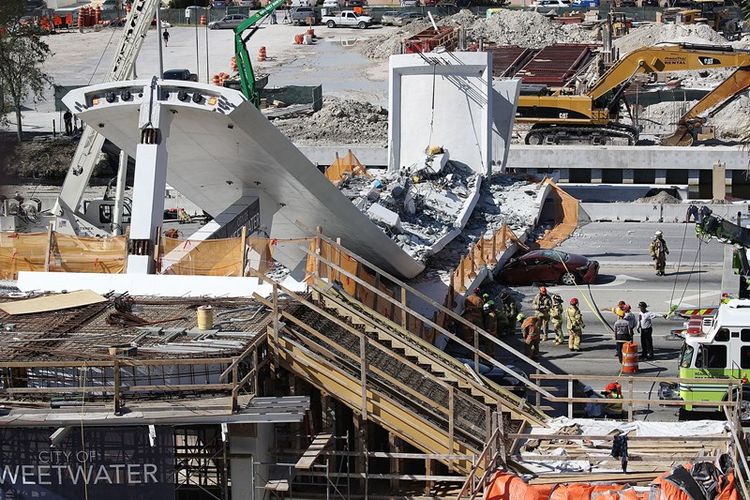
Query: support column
x=627 y=176
x=150 y=182
x=718 y=181
x=564 y=175
x=360 y=447
x=395 y=445
x=596 y=176
x=661 y=176
x=693 y=183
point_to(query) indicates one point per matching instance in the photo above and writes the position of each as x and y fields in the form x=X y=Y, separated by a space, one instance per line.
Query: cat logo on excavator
x=709 y=61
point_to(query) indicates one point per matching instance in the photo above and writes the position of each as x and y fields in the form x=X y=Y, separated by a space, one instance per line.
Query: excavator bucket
x=680 y=137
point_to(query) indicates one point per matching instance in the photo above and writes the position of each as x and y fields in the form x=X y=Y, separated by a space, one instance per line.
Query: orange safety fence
x=484 y=253
x=506 y=486
x=565 y=213
x=220 y=257
x=347 y=166
x=22 y=252
x=78 y=254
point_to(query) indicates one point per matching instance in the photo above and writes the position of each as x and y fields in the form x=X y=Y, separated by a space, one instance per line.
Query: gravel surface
x=340 y=121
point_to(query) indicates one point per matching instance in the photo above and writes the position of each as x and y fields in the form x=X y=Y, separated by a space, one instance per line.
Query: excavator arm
x=713 y=226
x=692 y=121
x=667 y=58
x=244 y=65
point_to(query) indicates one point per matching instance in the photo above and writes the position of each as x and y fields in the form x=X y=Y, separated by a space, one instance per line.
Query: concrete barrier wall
x=653 y=212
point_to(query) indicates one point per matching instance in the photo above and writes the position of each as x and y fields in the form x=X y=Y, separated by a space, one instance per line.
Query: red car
x=549 y=266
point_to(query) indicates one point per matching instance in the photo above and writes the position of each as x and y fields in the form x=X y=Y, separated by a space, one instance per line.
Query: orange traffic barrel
x=216 y=80
x=233 y=63
x=298 y=39
x=630 y=357
x=262 y=54
x=203 y=19
x=98 y=14
x=311 y=32
x=80 y=17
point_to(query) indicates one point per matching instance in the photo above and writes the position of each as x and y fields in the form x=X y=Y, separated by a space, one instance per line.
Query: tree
x=22 y=53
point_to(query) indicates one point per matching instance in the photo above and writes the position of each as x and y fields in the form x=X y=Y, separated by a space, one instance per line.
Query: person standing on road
x=68 y=119
x=575 y=325
x=273 y=18
x=556 y=316
x=531 y=335
x=622 y=335
x=646 y=329
x=542 y=305
x=165 y=36
x=511 y=311
x=630 y=318
x=659 y=251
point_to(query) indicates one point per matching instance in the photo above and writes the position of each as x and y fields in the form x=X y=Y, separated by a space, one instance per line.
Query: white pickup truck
x=346 y=18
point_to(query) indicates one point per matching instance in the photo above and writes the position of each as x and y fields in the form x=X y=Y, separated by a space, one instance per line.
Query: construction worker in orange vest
x=530 y=329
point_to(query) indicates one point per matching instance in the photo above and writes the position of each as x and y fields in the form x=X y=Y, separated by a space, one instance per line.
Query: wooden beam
x=319 y=443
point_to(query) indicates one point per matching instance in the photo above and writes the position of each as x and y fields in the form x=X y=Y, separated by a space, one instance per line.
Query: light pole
x=208 y=18
x=159 y=40
x=197 y=52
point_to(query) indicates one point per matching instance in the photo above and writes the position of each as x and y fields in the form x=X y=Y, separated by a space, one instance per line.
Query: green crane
x=245 y=67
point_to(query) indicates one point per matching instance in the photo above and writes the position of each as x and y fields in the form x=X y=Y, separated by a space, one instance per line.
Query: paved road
x=626 y=274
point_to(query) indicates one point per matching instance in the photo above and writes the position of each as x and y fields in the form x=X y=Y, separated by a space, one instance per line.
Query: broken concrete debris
x=417 y=206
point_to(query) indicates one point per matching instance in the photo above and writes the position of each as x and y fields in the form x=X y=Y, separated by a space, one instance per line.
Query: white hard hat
x=658 y=233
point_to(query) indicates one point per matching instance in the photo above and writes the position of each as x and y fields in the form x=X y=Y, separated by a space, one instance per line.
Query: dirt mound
x=340 y=121
x=660 y=197
x=652 y=34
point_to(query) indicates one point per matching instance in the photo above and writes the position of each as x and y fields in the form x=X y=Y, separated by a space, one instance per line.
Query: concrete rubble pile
x=340 y=121
x=416 y=206
x=504 y=199
x=652 y=34
x=507 y=27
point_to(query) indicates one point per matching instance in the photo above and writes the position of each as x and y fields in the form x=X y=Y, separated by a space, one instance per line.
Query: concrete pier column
x=564 y=175
x=661 y=176
x=694 y=183
x=596 y=176
x=627 y=176
x=728 y=181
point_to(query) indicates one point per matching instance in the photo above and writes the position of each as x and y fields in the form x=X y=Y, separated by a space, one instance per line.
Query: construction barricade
x=220 y=257
x=78 y=254
x=22 y=252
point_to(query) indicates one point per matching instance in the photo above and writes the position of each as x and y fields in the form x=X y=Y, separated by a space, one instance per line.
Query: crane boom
x=91 y=142
x=244 y=65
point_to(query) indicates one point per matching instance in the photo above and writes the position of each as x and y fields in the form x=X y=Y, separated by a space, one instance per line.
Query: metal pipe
x=208 y=71
x=159 y=41
x=197 y=52
x=122 y=171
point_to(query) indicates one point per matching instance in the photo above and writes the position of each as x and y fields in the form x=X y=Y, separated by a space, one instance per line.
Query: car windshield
x=555 y=255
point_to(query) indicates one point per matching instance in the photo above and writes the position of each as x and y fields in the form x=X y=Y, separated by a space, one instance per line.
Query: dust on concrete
x=340 y=121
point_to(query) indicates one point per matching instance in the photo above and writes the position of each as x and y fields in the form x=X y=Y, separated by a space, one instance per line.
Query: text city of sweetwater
x=49 y=475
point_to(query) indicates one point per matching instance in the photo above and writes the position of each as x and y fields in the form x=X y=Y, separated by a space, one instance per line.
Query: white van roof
x=736 y=312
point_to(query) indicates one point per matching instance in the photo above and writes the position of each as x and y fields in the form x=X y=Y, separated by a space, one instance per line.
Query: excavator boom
x=692 y=121
x=594 y=115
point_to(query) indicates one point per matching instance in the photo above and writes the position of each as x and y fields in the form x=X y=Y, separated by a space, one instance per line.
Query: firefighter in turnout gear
x=556 y=316
x=542 y=306
x=575 y=325
x=511 y=311
x=659 y=251
x=531 y=335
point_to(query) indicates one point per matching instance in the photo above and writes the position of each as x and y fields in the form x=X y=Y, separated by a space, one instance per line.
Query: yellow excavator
x=593 y=117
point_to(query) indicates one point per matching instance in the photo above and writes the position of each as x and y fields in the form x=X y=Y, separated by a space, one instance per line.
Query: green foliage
x=22 y=53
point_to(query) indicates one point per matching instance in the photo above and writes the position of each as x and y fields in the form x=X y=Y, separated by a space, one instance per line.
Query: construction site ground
x=626 y=274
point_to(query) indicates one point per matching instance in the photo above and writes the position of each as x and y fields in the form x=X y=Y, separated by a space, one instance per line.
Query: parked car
x=549 y=266
x=407 y=17
x=332 y=4
x=389 y=17
x=301 y=15
x=551 y=4
x=409 y=3
x=347 y=18
x=180 y=74
x=227 y=22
